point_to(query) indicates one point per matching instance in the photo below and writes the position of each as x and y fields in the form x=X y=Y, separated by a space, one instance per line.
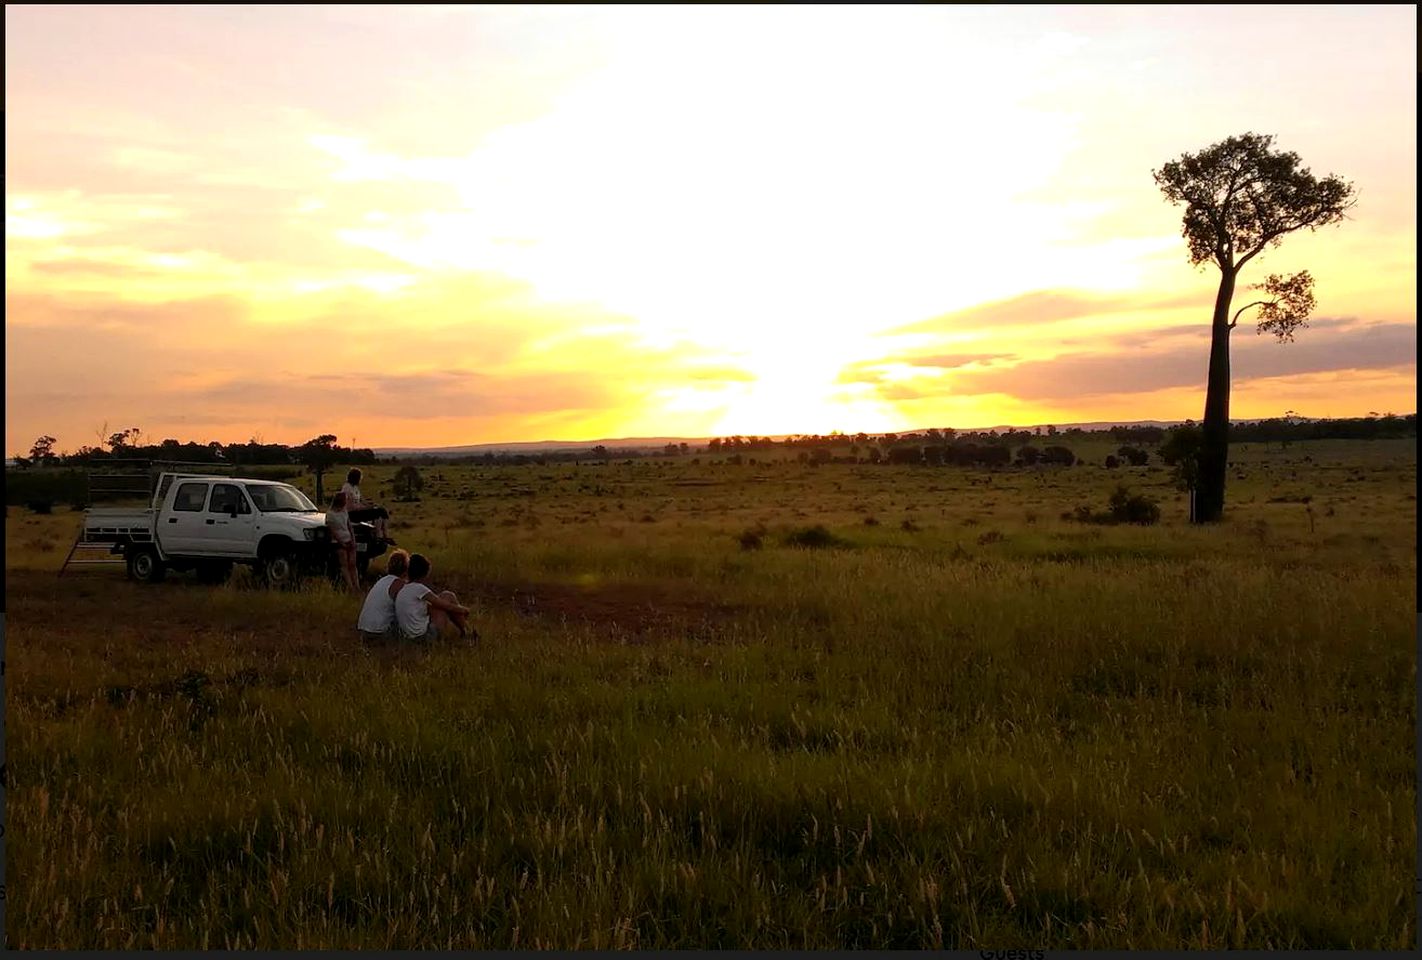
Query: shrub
x=908 y=454
x=1137 y=508
x=1112 y=463
x=1124 y=507
x=811 y=538
x=1058 y=455
x=1135 y=456
x=752 y=538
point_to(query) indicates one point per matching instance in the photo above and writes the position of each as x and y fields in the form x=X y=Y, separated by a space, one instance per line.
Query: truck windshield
x=279 y=498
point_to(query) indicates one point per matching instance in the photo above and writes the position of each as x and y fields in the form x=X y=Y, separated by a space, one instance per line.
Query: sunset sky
x=430 y=226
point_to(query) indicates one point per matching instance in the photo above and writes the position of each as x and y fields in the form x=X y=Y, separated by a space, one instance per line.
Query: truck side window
x=190 y=497
x=225 y=497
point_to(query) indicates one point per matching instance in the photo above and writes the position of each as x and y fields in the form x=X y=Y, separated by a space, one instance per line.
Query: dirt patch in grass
x=632 y=611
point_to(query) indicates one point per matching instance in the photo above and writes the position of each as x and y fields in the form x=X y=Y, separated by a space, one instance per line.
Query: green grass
x=1058 y=735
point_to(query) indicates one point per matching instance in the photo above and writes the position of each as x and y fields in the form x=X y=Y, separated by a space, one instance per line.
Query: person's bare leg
x=458 y=620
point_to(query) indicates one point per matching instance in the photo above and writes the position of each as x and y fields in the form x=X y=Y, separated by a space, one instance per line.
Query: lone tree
x=408 y=482
x=43 y=450
x=319 y=455
x=1242 y=197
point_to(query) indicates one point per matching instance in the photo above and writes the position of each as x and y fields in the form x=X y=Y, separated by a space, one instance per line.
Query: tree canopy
x=1241 y=197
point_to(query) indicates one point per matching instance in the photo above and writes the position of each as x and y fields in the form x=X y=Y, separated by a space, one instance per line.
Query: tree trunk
x=1214 y=447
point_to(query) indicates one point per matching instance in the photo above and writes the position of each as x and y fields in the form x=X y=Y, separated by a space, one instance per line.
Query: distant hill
x=657 y=443
x=541 y=446
x=1093 y=425
x=639 y=443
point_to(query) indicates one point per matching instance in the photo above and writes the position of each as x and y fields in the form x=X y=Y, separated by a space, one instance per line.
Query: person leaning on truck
x=377 y=615
x=361 y=509
x=423 y=614
x=339 y=523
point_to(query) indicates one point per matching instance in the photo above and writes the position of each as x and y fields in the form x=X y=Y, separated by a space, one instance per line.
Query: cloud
x=426 y=395
x=718 y=374
x=1343 y=347
x=877 y=371
x=478 y=355
x=91 y=268
x=1038 y=307
x=80 y=315
x=949 y=361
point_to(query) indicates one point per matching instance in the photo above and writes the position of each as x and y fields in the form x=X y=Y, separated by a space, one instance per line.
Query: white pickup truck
x=211 y=523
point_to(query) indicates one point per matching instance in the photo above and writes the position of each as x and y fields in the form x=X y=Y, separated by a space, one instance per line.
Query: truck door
x=230 y=522
x=181 y=530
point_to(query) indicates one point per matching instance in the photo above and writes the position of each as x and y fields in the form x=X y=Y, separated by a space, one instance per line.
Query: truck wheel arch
x=273 y=544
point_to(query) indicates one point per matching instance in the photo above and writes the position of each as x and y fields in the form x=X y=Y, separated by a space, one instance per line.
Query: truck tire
x=279 y=569
x=144 y=565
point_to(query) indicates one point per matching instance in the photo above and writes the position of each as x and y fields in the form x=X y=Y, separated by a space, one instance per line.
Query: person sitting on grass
x=424 y=615
x=342 y=540
x=362 y=509
x=377 y=614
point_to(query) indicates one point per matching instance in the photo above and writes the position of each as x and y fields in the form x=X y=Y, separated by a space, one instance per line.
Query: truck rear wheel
x=144 y=565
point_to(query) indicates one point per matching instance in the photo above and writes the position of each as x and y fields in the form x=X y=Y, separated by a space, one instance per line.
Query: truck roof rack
x=135 y=479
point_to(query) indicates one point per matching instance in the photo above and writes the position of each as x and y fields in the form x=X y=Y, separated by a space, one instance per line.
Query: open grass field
x=962 y=722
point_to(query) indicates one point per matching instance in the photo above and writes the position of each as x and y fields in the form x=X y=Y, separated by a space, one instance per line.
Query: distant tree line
x=126 y=445
x=1387 y=426
x=935 y=446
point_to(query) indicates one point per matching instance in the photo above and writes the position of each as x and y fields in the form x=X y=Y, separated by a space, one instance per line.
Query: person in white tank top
x=377 y=614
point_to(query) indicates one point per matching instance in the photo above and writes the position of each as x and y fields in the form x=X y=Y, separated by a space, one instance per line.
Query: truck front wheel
x=144 y=565
x=279 y=569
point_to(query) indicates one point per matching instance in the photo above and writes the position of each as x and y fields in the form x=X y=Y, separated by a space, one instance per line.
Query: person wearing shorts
x=343 y=540
x=424 y=615
x=377 y=615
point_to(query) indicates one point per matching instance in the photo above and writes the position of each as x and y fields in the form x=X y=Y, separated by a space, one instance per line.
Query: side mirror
x=233 y=512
